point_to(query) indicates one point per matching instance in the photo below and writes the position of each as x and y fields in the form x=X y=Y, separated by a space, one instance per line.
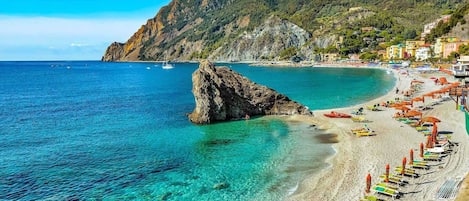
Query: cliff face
x=265 y=41
x=222 y=94
x=247 y=30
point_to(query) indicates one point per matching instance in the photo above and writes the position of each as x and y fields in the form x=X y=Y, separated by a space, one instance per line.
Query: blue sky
x=69 y=29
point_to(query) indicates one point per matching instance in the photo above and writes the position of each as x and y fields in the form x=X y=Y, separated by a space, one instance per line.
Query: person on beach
x=397 y=90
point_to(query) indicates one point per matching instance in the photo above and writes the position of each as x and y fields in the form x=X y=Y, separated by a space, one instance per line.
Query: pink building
x=451 y=47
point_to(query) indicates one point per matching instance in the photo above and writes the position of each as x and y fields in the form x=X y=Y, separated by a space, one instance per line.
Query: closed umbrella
x=368 y=183
x=411 y=161
x=421 y=150
x=386 y=179
x=404 y=161
x=434 y=133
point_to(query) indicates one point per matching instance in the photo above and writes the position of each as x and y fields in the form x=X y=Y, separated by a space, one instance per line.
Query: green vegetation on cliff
x=194 y=29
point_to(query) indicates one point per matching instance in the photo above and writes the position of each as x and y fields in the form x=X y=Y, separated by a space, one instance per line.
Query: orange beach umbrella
x=421 y=150
x=406 y=103
x=368 y=183
x=413 y=113
x=434 y=133
x=417 y=99
x=404 y=161
x=411 y=161
x=431 y=119
x=429 y=142
x=403 y=108
x=386 y=179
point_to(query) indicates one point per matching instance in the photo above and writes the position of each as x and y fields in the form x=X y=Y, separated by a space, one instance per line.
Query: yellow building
x=412 y=46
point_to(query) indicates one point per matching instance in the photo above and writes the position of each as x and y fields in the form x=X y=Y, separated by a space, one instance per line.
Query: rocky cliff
x=222 y=94
x=253 y=30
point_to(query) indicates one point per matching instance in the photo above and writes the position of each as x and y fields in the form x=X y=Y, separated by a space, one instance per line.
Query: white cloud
x=60 y=33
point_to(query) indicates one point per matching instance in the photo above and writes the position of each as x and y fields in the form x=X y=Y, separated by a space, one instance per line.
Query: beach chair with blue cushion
x=387 y=191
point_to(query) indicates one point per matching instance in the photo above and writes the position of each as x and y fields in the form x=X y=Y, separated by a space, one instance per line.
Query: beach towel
x=467 y=121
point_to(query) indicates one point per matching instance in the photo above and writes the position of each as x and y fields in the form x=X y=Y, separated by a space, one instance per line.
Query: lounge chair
x=388 y=185
x=427 y=156
x=386 y=191
x=371 y=198
x=364 y=133
x=358 y=119
x=419 y=166
x=407 y=172
x=421 y=128
x=395 y=179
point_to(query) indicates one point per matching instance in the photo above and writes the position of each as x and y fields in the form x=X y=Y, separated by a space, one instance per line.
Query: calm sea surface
x=118 y=131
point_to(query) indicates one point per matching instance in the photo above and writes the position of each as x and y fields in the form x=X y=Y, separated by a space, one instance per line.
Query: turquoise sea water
x=119 y=131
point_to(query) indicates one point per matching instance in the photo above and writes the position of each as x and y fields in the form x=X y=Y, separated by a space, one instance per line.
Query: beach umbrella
x=413 y=113
x=430 y=119
x=421 y=150
x=434 y=133
x=411 y=161
x=368 y=183
x=403 y=108
x=404 y=161
x=417 y=99
x=406 y=103
x=394 y=105
x=429 y=142
x=430 y=94
x=386 y=178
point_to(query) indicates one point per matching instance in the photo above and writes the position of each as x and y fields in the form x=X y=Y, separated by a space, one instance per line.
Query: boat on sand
x=334 y=114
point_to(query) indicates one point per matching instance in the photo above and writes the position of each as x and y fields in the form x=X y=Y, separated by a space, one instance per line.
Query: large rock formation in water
x=222 y=94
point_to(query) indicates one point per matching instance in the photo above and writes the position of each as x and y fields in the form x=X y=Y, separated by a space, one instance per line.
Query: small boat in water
x=337 y=115
x=167 y=65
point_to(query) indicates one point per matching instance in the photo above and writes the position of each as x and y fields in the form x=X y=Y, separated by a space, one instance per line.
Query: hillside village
x=443 y=49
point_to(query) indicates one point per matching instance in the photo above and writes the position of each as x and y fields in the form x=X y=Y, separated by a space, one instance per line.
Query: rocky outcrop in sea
x=222 y=94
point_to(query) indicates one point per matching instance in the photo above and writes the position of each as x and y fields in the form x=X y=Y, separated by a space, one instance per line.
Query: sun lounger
x=420 y=162
x=395 y=179
x=419 y=166
x=421 y=128
x=364 y=133
x=358 y=119
x=407 y=172
x=388 y=185
x=427 y=156
x=386 y=191
x=426 y=133
x=371 y=198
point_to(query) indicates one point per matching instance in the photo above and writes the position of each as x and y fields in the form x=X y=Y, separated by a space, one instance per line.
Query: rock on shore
x=222 y=94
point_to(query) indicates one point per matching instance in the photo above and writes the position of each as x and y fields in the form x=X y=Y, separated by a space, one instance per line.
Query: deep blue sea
x=86 y=130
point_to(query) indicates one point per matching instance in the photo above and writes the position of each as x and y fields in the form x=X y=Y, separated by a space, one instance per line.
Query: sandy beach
x=358 y=156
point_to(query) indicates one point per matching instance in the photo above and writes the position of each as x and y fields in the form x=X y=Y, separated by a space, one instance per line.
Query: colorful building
x=395 y=52
x=451 y=47
x=423 y=53
x=441 y=43
x=412 y=46
x=427 y=28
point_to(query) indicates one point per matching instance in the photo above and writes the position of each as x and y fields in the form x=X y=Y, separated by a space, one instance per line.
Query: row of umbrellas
x=408 y=112
x=404 y=162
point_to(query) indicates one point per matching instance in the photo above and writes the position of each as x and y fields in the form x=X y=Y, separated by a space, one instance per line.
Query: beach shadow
x=411 y=192
x=426 y=182
x=427 y=173
x=445 y=132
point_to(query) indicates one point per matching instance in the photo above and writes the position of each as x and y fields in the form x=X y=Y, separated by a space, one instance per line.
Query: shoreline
x=353 y=157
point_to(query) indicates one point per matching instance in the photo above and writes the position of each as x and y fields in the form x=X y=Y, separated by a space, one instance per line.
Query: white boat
x=167 y=65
